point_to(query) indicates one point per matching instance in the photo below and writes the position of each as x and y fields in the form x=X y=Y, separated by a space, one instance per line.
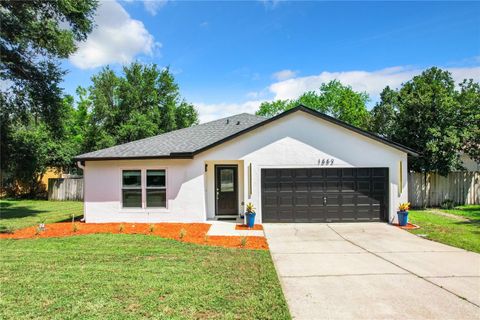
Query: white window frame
x=155 y=188
x=143 y=174
x=122 y=188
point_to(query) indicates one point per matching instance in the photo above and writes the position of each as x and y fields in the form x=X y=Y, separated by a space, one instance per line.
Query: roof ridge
x=173 y=132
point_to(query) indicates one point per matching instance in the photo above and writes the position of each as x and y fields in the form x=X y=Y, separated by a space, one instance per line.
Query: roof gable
x=188 y=142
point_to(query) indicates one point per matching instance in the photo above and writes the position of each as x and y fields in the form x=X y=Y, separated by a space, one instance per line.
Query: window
x=156 y=189
x=132 y=188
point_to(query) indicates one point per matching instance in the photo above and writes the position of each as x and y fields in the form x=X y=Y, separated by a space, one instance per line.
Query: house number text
x=325 y=162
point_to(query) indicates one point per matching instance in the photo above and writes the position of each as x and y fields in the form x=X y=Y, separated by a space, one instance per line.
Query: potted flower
x=403 y=213
x=250 y=215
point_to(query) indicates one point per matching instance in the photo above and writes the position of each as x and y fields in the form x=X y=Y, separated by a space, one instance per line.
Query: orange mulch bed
x=185 y=232
x=409 y=226
x=244 y=227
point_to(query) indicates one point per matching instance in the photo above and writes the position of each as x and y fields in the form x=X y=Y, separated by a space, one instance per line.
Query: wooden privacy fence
x=461 y=187
x=65 y=188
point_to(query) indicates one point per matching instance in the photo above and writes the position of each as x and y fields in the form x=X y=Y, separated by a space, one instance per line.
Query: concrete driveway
x=372 y=271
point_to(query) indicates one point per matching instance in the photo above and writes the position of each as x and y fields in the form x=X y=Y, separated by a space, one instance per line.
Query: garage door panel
x=348 y=186
x=316 y=200
x=286 y=187
x=363 y=173
x=324 y=194
x=317 y=173
x=333 y=186
x=317 y=186
x=270 y=201
x=302 y=187
x=301 y=200
x=363 y=186
x=333 y=173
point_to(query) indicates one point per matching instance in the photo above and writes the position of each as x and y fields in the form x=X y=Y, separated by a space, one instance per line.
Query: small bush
x=8 y=230
x=74 y=227
x=243 y=242
x=121 y=228
x=205 y=238
x=182 y=234
x=447 y=204
x=152 y=228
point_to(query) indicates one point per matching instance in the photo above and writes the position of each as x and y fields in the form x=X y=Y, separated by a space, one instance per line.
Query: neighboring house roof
x=187 y=142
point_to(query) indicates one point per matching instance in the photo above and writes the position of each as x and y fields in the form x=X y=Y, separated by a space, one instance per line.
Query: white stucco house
x=299 y=166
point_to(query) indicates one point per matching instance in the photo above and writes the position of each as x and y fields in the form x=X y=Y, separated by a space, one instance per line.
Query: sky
x=230 y=56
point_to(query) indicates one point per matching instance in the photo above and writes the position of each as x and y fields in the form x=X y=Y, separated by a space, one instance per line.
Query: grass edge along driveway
x=462 y=230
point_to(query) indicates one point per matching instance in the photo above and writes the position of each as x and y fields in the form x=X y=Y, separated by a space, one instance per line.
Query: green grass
x=107 y=276
x=470 y=211
x=464 y=233
x=17 y=214
x=135 y=276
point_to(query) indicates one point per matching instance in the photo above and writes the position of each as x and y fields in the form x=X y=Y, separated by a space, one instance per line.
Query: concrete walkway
x=372 y=271
x=227 y=228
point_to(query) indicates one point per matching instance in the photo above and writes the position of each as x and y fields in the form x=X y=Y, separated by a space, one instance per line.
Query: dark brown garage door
x=324 y=195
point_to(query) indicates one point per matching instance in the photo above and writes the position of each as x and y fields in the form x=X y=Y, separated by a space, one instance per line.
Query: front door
x=226 y=187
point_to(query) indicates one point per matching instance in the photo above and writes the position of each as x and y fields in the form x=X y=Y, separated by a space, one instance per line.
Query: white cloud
x=117 y=38
x=208 y=112
x=152 y=6
x=371 y=82
x=284 y=74
x=270 y=4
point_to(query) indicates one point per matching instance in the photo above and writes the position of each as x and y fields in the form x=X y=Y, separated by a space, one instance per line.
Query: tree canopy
x=142 y=102
x=34 y=36
x=333 y=98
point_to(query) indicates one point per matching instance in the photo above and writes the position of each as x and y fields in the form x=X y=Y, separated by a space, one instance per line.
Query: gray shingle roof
x=187 y=142
x=178 y=142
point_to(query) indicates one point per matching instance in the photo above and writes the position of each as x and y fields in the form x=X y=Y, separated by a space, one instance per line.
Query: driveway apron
x=372 y=271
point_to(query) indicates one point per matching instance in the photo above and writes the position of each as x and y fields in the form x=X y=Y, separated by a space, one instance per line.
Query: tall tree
x=427 y=121
x=384 y=115
x=141 y=102
x=469 y=118
x=34 y=36
x=333 y=98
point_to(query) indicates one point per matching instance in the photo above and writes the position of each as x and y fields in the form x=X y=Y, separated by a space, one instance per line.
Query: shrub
x=74 y=227
x=152 y=228
x=447 y=204
x=121 y=228
x=182 y=234
x=243 y=242
x=5 y=229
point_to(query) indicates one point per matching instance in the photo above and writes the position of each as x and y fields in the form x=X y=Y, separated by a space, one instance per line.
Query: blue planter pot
x=250 y=219
x=402 y=218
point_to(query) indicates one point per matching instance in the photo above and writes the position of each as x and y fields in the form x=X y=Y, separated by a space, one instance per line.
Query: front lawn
x=471 y=211
x=107 y=276
x=462 y=232
x=17 y=214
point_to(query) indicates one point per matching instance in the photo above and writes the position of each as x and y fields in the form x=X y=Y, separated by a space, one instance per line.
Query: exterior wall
x=185 y=191
x=303 y=140
x=296 y=140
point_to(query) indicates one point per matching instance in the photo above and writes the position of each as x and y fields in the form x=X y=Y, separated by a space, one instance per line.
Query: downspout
x=81 y=165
